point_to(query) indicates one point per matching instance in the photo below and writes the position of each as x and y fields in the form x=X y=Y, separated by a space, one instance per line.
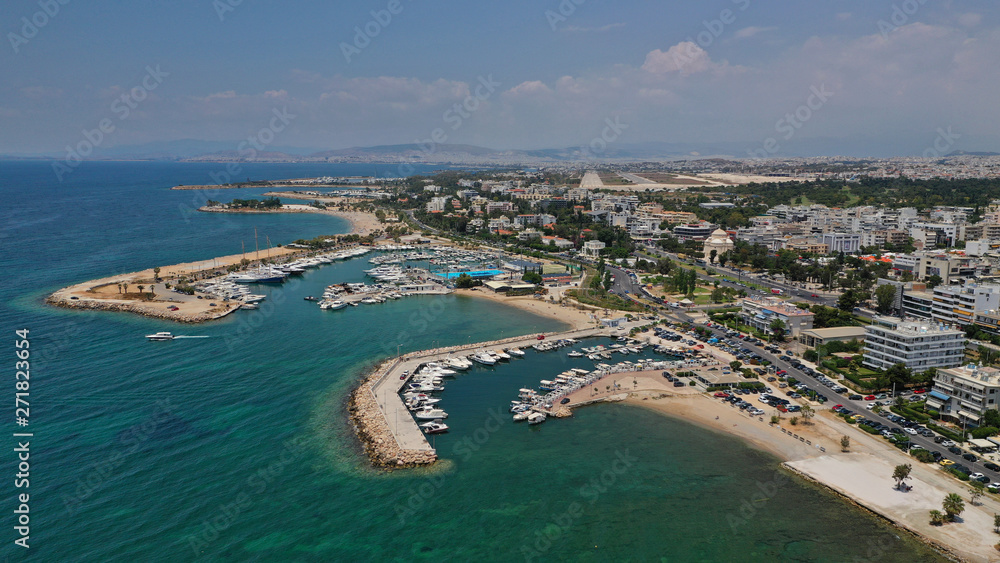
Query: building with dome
x=718 y=241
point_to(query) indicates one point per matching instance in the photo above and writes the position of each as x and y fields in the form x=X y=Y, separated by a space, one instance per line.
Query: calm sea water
x=236 y=447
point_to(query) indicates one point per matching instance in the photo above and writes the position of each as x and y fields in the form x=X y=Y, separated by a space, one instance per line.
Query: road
x=787 y=289
x=859 y=407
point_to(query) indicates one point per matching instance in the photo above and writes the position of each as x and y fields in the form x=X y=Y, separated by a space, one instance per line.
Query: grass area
x=604 y=300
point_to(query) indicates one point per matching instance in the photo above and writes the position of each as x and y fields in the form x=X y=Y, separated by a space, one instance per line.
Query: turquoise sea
x=237 y=447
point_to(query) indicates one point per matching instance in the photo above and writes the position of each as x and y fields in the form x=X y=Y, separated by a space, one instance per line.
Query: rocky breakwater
x=139 y=307
x=373 y=430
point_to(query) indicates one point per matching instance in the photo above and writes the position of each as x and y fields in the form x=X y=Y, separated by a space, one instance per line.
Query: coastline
x=861 y=476
x=362 y=223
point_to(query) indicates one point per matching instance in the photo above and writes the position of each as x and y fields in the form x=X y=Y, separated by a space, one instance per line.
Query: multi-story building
x=917 y=304
x=847 y=243
x=919 y=345
x=760 y=311
x=593 y=248
x=499 y=207
x=958 y=304
x=964 y=393
x=437 y=204
x=988 y=321
x=693 y=231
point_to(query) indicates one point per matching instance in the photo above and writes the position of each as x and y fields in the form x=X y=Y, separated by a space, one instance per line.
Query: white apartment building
x=958 y=304
x=965 y=393
x=919 y=345
x=847 y=243
x=593 y=248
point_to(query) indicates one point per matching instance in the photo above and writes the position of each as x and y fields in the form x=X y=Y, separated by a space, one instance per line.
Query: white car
x=910 y=431
x=871 y=406
x=947 y=444
x=976 y=476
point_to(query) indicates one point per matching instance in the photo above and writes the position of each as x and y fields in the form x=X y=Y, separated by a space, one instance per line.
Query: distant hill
x=969 y=153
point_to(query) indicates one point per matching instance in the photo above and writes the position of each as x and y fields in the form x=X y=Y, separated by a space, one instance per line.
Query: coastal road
x=421 y=225
x=859 y=407
x=787 y=289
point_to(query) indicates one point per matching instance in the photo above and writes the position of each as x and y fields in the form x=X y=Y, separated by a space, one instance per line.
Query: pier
x=387 y=429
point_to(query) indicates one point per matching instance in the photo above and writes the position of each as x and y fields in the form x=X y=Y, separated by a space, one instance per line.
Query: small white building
x=718 y=241
x=593 y=248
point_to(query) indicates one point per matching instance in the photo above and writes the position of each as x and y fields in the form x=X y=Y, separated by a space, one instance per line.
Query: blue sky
x=677 y=72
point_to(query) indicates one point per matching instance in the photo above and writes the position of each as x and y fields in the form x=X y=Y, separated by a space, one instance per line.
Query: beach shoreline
x=861 y=476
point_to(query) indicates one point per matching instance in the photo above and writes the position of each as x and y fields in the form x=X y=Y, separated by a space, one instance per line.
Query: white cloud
x=748 y=32
x=970 y=19
x=685 y=57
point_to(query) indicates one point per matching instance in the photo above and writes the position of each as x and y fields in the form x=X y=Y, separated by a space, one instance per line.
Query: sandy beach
x=863 y=475
x=576 y=318
x=361 y=223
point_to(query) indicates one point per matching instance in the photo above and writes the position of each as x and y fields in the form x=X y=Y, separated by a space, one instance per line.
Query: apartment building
x=760 y=311
x=958 y=304
x=964 y=393
x=919 y=345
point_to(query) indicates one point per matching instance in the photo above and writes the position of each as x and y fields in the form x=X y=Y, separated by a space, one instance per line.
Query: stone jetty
x=386 y=428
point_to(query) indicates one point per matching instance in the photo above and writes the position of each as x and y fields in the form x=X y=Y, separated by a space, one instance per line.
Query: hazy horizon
x=858 y=78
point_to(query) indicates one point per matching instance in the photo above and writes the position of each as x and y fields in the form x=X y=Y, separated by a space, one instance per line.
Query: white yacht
x=483 y=358
x=516 y=352
x=160 y=336
x=458 y=363
x=430 y=413
x=501 y=354
x=536 y=418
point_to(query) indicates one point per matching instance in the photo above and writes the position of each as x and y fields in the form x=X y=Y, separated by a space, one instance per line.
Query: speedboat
x=160 y=336
x=516 y=352
x=575 y=354
x=498 y=353
x=523 y=415
x=434 y=427
x=430 y=413
x=536 y=418
x=458 y=363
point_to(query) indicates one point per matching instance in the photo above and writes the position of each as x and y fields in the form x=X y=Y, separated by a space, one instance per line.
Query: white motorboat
x=523 y=415
x=483 y=358
x=434 y=427
x=159 y=336
x=575 y=354
x=501 y=354
x=430 y=413
x=516 y=352
x=458 y=363
x=536 y=418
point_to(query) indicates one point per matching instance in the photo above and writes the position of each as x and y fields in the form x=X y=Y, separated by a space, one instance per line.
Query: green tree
x=933 y=281
x=735 y=365
x=899 y=374
x=777 y=327
x=991 y=417
x=723 y=258
x=953 y=506
x=937 y=518
x=532 y=277
x=885 y=297
x=712 y=255
x=607 y=281
x=464 y=281
x=976 y=490
x=807 y=413
x=845 y=443
x=996 y=523
x=156 y=272
x=902 y=473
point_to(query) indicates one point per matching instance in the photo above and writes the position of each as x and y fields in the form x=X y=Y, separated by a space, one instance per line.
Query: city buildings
x=919 y=345
x=760 y=311
x=964 y=393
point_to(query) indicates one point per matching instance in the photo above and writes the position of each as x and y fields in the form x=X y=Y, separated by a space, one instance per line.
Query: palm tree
x=953 y=506
x=937 y=518
x=141 y=287
x=902 y=473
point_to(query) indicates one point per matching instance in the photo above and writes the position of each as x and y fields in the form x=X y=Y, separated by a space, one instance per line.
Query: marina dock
x=386 y=427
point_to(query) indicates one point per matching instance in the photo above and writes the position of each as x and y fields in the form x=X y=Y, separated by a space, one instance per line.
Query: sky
x=758 y=77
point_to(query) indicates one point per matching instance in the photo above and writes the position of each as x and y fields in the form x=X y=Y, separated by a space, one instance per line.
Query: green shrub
x=985 y=432
x=950 y=434
x=958 y=474
x=922 y=455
